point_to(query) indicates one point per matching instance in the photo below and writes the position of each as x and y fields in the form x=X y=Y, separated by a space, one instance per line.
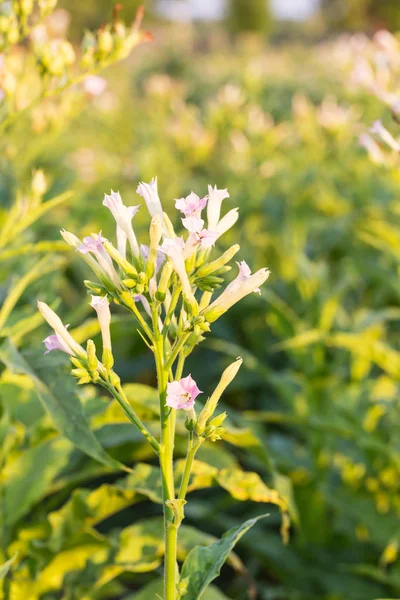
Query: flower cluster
x=168 y=285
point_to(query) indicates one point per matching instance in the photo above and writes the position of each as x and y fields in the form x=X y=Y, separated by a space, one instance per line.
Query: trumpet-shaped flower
x=244 y=284
x=62 y=339
x=182 y=393
x=123 y=216
x=94 y=245
x=149 y=191
x=381 y=131
x=215 y=199
x=227 y=221
x=173 y=248
x=102 y=308
x=192 y=205
x=193 y=224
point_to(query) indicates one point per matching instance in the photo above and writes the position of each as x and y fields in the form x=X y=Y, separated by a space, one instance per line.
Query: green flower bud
x=142 y=278
x=114 y=379
x=108 y=359
x=91 y=355
x=140 y=288
x=218 y=420
x=126 y=266
x=95 y=288
x=227 y=377
x=164 y=282
x=129 y=283
x=209 y=268
x=105 y=42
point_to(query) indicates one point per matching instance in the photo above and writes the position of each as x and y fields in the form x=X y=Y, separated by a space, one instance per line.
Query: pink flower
x=193 y=224
x=123 y=216
x=149 y=191
x=183 y=393
x=94 y=244
x=55 y=342
x=204 y=238
x=245 y=273
x=192 y=205
x=94 y=85
x=215 y=199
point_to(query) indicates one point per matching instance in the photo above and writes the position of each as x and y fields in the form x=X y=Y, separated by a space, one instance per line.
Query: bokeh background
x=257 y=97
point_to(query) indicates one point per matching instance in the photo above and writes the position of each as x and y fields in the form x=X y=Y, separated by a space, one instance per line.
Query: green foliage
x=203 y=565
x=316 y=403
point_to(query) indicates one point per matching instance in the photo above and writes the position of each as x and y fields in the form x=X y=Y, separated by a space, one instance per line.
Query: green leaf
x=57 y=393
x=203 y=564
x=154 y=591
x=5 y=567
x=26 y=479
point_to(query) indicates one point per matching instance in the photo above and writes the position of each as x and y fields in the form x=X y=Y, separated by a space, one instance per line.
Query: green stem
x=176 y=349
x=166 y=464
x=191 y=453
x=119 y=395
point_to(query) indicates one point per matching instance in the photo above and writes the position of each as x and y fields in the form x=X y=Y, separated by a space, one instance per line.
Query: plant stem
x=119 y=395
x=192 y=449
x=166 y=464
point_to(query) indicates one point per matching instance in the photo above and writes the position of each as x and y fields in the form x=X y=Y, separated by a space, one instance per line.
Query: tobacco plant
x=169 y=286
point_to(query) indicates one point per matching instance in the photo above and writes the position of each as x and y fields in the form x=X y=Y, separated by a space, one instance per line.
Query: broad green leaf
x=203 y=564
x=244 y=485
x=57 y=393
x=26 y=479
x=154 y=591
x=5 y=567
x=46 y=265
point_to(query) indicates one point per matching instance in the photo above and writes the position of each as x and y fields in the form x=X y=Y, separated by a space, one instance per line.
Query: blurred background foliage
x=315 y=408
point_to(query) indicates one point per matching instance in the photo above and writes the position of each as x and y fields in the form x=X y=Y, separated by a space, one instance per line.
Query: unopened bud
x=39 y=183
x=129 y=283
x=164 y=282
x=209 y=268
x=191 y=420
x=105 y=42
x=95 y=288
x=218 y=420
x=108 y=359
x=125 y=265
x=142 y=278
x=91 y=355
x=114 y=379
x=227 y=377
x=168 y=226
x=156 y=230
x=140 y=288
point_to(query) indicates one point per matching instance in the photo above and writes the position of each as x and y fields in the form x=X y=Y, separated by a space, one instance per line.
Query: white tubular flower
x=375 y=153
x=244 y=284
x=173 y=248
x=381 y=131
x=215 y=198
x=149 y=191
x=62 y=340
x=123 y=216
x=102 y=308
x=94 y=245
x=227 y=221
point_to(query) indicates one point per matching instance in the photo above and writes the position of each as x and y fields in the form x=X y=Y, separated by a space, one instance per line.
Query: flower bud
x=114 y=379
x=142 y=278
x=191 y=420
x=108 y=359
x=95 y=288
x=39 y=183
x=227 y=377
x=164 y=282
x=91 y=356
x=129 y=283
x=125 y=265
x=209 y=268
x=218 y=420
x=156 y=230
x=105 y=42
